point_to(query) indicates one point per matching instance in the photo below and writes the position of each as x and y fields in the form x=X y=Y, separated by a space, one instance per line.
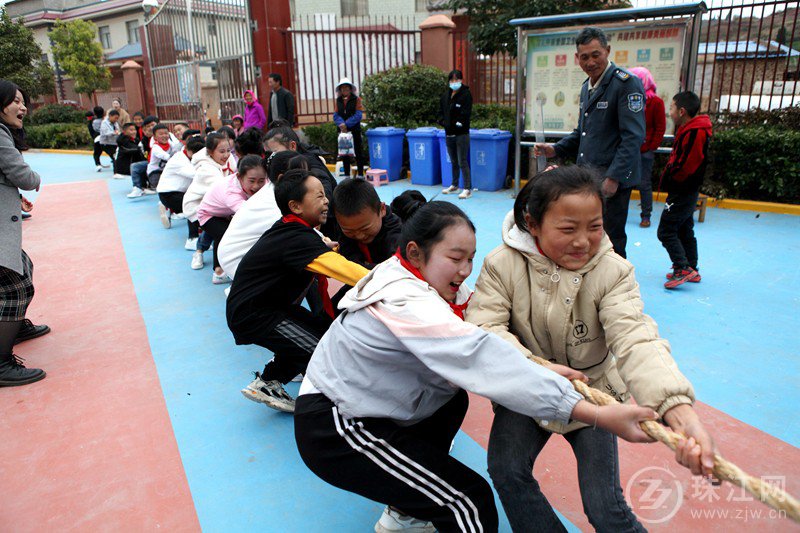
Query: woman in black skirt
x=16 y=269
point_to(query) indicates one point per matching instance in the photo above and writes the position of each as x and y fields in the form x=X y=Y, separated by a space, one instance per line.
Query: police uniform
x=611 y=128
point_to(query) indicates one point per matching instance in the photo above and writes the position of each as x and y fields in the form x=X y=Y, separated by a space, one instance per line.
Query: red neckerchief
x=227 y=167
x=322 y=281
x=458 y=309
x=536 y=242
x=164 y=146
x=186 y=154
x=365 y=250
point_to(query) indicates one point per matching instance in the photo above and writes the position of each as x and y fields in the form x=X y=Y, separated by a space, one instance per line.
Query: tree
x=80 y=55
x=21 y=58
x=489 y=30
x=780 y=37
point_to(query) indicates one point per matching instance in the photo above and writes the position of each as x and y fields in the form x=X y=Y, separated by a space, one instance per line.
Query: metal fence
x=325 y=49
x=200 y=57
x=748 y=58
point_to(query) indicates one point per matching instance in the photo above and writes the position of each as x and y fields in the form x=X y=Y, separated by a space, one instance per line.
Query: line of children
x=385 y=390
x=175 y=180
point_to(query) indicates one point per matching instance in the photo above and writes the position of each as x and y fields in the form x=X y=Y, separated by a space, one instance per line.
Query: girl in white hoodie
x=385 y=391
x=556 y=289
x=211 y=166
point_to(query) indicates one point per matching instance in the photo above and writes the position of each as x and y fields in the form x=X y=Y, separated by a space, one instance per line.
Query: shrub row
x=66 y=136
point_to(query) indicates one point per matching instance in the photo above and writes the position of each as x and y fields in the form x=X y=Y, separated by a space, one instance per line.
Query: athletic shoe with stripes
x=392 y=521
x=681 y=276
x=696 y=279
x=270 y=393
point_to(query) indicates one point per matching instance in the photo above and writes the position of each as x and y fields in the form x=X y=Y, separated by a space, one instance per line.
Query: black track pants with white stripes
x=293 y=341
x=408 y=467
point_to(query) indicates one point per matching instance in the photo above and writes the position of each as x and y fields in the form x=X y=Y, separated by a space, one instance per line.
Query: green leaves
x=490 y=31
x=62 y=136
x=757 y=163
x=405 y=97
x=21 y=58
x=80 y=55
x=56 y=114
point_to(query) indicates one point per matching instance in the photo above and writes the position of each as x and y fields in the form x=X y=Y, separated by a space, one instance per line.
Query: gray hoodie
x=399 y=352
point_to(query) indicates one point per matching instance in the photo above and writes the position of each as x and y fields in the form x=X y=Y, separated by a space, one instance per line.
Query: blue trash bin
x=446 y=164
x=488 y=158
x=386 y=150
x=423 y=153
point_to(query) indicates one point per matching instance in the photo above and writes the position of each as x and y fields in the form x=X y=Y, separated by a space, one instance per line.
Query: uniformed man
x=610 y=129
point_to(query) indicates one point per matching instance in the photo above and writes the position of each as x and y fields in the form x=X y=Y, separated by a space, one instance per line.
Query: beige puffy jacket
x=591 y=320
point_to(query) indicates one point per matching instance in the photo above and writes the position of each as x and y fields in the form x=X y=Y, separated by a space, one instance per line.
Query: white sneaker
x=166 y=221
x=298 y=378
x=177 y=216
x=99 y=168
x=449 y=189
x=218 y=279
x=150 y=191
x=136 y=192
x=392 y=521
x=227 y=291
x=270 y=393
x=191 y=244
x=119 y=176
x=466 y=193
x=197 y=260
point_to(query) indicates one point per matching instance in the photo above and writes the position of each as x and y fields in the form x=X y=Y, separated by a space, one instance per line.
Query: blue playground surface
x=733 y=335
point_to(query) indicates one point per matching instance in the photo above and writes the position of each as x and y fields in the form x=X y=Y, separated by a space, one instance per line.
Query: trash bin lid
x=429 y=132
x=386 y=131
x=490 y=133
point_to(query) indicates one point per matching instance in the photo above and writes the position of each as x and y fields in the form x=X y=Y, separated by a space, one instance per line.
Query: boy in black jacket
x=129 y=151
x=369 y=231
x=273 y=278
x=682 y=179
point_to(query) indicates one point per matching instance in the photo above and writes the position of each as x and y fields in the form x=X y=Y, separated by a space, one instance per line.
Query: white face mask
x=456 y=85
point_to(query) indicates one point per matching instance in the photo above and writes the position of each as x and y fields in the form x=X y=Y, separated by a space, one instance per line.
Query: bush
x=57 y=114
x=324 y=136
x=756 y=163
x=58 y=136
x=404 y=97
x=788 y=117
x=501 y=117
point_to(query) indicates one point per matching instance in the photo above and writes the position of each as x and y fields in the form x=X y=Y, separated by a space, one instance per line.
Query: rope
x=723 y=469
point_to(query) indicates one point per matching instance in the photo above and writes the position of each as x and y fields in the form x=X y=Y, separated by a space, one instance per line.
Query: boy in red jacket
x=682 y=178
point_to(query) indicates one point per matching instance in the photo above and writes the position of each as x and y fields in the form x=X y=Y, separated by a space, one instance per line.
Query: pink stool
x=377 y=176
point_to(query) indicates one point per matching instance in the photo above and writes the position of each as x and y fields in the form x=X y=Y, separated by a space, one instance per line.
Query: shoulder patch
x=621 y=74
x=635 y=102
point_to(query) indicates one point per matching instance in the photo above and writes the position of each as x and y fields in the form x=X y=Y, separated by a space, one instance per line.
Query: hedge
x=755 y=163
x=56 y=114
x=404 y=97
x=58 y=136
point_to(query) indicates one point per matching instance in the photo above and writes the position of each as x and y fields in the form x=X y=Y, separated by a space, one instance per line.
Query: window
x=422 y=6
x=212 y=28
x=105 y=36
x=132 y=27
x=354 y=8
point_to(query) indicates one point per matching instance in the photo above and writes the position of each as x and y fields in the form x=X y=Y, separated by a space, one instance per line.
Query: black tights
x=8 y=333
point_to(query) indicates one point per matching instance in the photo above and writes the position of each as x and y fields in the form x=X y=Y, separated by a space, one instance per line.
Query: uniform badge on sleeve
x=636 y=102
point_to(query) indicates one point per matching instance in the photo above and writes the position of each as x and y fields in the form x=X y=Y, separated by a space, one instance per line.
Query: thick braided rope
x=723 y=469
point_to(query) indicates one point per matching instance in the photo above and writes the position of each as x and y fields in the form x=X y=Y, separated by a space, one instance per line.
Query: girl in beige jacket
x=556 y=289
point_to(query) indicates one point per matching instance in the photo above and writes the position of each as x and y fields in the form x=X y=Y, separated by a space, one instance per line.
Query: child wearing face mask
x=385 y=391
x=557 y=290
x=224 y=199
x=455 y=110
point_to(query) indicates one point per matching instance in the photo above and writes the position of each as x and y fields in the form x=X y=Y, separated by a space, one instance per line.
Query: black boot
x=29 y=331
x=14 y=373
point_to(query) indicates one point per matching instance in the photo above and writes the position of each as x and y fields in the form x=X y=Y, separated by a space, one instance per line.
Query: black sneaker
x=13 y=373
x=29 y=331
x=681 y=276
